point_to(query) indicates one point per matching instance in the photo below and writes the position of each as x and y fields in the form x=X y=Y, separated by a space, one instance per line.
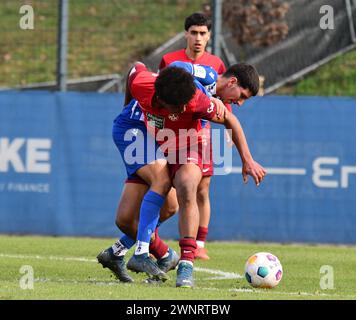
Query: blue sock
x=159 y=223
x=149 y=215
x=127 y=241
x=121 y=246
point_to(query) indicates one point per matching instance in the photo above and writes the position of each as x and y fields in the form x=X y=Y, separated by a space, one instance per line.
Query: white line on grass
x=221 y=275
x=272 y=291
x=22 y=256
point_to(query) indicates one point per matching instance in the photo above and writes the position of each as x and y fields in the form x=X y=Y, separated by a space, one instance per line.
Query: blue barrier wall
x=60 y=173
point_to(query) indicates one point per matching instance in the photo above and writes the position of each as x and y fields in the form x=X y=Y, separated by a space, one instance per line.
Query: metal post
x=217 y=10
x=351 y=22
x=62 y=45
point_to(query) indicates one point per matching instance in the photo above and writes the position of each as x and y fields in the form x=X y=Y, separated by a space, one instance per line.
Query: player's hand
x=255 y=170
x=220 y=107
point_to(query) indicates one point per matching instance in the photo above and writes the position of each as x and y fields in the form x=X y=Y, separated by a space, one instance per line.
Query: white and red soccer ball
x=263 y=270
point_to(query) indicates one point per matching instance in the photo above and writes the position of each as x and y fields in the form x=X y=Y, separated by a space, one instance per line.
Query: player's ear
x=233 y=81
x=209 y=34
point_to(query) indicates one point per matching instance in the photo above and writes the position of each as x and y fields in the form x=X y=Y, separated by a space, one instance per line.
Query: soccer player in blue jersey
x=130 y=123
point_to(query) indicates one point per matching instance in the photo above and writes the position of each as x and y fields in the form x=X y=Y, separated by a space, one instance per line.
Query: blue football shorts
x=136 y=146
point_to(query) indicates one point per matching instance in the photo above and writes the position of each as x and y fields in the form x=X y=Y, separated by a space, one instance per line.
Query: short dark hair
x=197 y=19
x=175 y=86
x=246 y=75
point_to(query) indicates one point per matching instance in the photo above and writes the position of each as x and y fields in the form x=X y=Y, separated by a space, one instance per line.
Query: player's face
x=234 y=93
x=197 y=38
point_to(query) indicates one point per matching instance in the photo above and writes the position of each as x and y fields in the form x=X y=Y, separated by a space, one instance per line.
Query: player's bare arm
x=249 y=166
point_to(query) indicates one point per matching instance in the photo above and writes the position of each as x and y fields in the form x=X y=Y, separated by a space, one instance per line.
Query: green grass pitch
x=66 y=268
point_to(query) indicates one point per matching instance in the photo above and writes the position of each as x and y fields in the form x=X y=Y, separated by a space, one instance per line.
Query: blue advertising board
x=61 y=174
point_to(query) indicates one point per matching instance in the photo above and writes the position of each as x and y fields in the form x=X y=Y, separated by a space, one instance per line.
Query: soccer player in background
x=197 y=33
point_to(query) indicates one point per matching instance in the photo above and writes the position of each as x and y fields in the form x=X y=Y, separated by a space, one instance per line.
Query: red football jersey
x=141 y=85
x=206 y=59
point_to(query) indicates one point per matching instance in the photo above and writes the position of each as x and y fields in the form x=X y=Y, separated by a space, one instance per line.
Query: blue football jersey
x=205 y=76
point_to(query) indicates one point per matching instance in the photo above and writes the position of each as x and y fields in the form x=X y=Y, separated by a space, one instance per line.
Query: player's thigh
x=156 y=174
x=130 y=202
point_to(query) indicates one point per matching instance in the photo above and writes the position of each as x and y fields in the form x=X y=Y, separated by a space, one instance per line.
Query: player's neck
x=220 y=84
x=192 y=55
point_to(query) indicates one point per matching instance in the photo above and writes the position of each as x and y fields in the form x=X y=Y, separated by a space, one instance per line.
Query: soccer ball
x=263 y=270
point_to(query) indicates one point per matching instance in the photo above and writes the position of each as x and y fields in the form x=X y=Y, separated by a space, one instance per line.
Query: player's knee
x=168 y=211
x=162 y=185
x=172 y=209
x=203 y=194
x=187 y=191
x=166 y=185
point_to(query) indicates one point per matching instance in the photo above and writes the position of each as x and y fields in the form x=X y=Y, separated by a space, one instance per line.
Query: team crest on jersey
x=173 y=117
x=211 y=88
x=155 y=121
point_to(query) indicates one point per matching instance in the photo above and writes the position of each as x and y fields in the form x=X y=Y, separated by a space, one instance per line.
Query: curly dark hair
x=197 y=19
x=175 y=86
x=246 y=75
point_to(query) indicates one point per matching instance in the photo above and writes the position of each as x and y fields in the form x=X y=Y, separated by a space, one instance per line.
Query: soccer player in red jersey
x=163 y=100
x=230 y=87
x=197 y=33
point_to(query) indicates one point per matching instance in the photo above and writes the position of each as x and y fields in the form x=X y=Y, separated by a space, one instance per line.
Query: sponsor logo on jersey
x=155 y=121
x=199 y=71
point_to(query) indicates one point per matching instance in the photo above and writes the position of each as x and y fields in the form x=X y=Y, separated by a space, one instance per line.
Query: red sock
x=157 y=247
x=202 y=234
x=187 y=249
